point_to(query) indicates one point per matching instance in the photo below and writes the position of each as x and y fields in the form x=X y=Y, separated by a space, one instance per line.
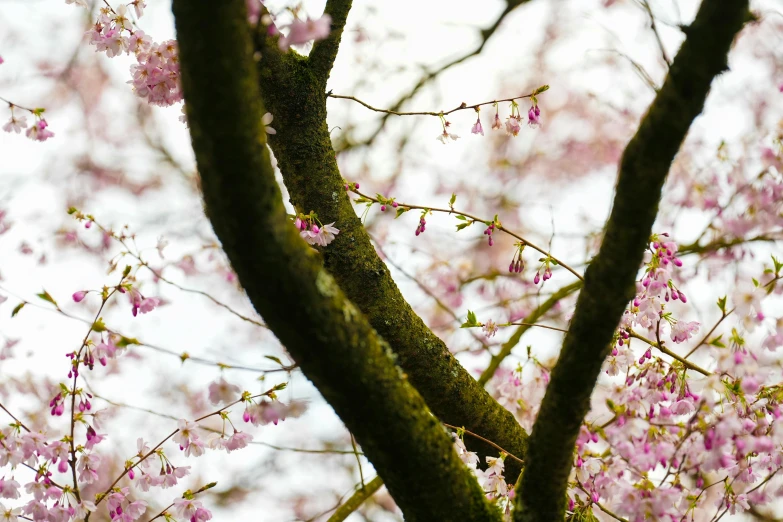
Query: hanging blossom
x=445 y=136
x=313 y=231
x=513 y=125
x=477 y=128
x=38 y=131
x=491 y=480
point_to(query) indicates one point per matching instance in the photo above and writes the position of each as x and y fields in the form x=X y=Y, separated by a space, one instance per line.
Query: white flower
x=15 y=124
x=186 y=433
x=446 y=136
x=266 y=120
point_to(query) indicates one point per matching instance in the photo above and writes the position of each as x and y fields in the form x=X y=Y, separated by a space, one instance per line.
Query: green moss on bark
x=609 y=280
x=332 y=342
x=294 y=93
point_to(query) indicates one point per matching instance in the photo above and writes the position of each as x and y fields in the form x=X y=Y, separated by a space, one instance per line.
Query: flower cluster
x=491 y=479
x=38 y=131
x=313 y=231
x=155 y=75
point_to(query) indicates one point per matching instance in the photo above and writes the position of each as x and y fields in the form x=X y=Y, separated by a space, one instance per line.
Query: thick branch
x=303 y=148
x=609 y=280
x=333 y=343
x=325 y=51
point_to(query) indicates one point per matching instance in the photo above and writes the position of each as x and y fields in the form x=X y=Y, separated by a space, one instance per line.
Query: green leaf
x=17 y=309
x=126 y=271
x=46 y=297
x=401 y=211
x=127 y=341
x=453 y=199
x=72 y=210
x=471 y=321
x=722 y=304
x=273 y=358
x=461 y=217
x=463 y=225
x=717 y=342
x=99 y=325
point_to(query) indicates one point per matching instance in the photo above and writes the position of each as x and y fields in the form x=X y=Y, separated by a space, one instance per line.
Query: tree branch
x=430 y=75
x=325 y=51
x=532 y=317
x=356 y=500
x=301 y=303
x=303 y=148
x=609 y=280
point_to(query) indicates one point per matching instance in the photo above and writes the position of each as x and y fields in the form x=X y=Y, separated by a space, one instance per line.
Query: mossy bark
x=328 y=337
x=609 y=280
x=294 y=90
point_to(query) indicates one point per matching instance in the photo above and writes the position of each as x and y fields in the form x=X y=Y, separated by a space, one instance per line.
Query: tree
x=394 y=384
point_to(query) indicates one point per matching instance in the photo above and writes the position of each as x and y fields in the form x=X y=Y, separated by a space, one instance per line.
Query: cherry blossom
x=15 y=124
x=303 y=31
x=223 y=391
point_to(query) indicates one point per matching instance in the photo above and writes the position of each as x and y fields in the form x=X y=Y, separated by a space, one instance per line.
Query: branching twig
x=473 y=218
x=463 y=106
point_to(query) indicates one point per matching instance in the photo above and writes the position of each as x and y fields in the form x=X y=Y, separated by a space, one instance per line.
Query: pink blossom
x=223 y=391
x=512 y=125
x=533 y=116
x=496 y=124
x=300 y=32
x=237 y=441
x=39 y=131
x=186 y=433
x=78 y=296
x=186 y=508
x=15 y=124
x=320 y=236
x=490 y=328
x=138 y=7
x=87 y=465
x=9 y=488
x=195 y=448
x=477 y=128
x=682 y=331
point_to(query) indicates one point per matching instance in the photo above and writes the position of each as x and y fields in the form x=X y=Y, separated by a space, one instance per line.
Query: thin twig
x=663 y=349
x=654 y=28
x=704 y=340
x=537 y=325
x=474 y=219
x=463 y=106
x=485 y=440
x=20 y=423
